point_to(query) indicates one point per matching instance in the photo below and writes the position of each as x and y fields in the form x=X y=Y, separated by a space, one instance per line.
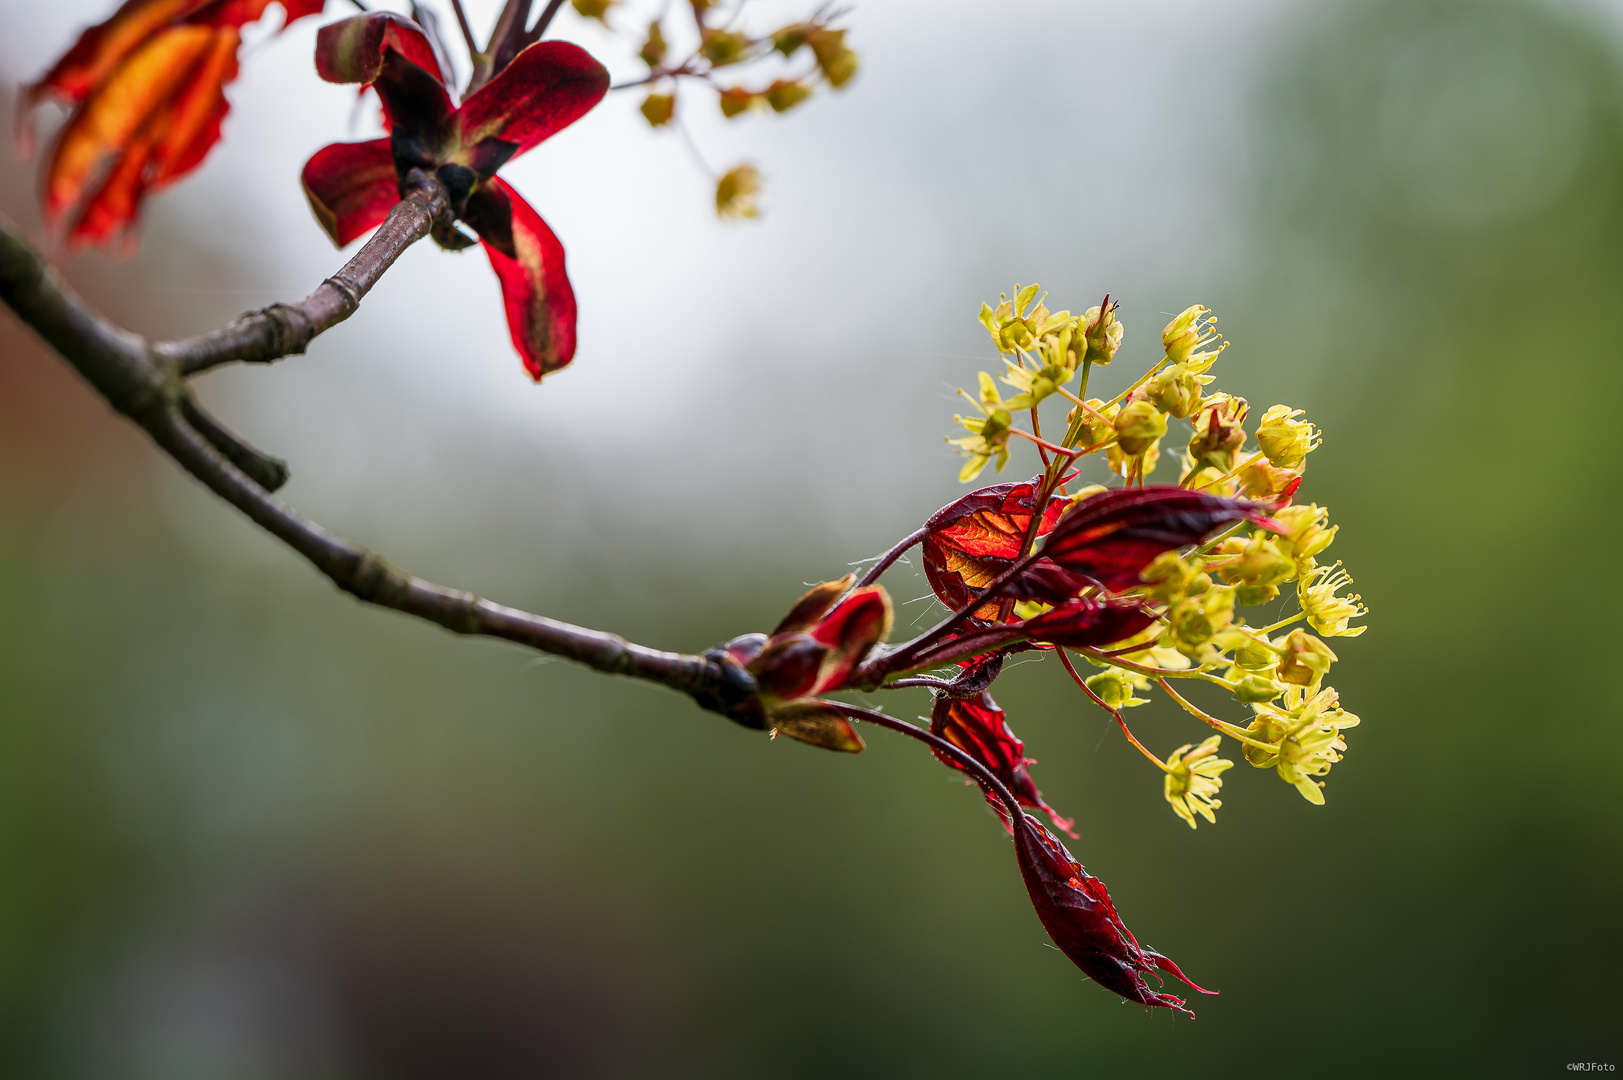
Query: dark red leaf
x=974 y=539
x=393 y=56
x=535 y=287
x=352 y=51
x=977 y=726
x=1114 y=535
x=858 y=623
x=1076 y=911
x=1089 y=623
x=546 y=88
x=351 y=187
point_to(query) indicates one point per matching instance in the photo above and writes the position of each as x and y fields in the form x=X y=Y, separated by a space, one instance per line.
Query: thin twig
x=261 y=337
x=467 y=31
x=533 y=35
x=147 y=384
x=892 y=555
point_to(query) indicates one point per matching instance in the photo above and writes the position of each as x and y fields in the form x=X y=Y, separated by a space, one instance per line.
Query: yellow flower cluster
x=1201 y=633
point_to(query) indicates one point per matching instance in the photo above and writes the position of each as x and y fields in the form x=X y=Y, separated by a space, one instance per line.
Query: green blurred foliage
x=251 y=829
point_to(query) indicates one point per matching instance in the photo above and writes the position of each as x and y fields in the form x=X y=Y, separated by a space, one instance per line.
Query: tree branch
x=146 y=383
x=261 y=337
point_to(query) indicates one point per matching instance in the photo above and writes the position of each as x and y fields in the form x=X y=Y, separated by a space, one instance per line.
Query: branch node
x=289 y=329
x=352 y=292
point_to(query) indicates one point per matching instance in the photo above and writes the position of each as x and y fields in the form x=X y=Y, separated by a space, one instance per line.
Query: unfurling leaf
x=974 y=539
x=978 y=727
x=1088 y=623
x=1076 y=911
x=1111 y=537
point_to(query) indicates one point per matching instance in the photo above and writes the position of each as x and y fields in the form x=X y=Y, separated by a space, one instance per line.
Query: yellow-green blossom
x=988 y=433
x=1286 y=440
x=1193 y=780
x=1305 y=739
x=1192 y=338
x=1303 y=658
x=1326 y=612
x=1115 y=687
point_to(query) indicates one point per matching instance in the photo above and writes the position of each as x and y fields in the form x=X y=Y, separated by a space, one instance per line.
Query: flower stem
x=912 y=731
x=1099 y=701
x=1226 y=728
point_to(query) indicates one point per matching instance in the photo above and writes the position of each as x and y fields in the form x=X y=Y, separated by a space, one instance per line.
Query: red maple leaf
x=147 y=89
x=352 y=186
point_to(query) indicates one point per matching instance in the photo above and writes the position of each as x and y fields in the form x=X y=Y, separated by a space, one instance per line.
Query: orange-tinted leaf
x=193 y=123
x=100 y=49
x=535 y=287
x=351 y=187
x=978 y=727
x=172 y=141
x=99 y=132
x=547 y=87
x=974 y=539
x=817 y=723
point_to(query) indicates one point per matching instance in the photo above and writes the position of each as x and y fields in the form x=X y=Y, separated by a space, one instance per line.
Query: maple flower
x=1304 y=738
x=147 y=88
x=988 y=436
x=352 y=186
x=1076 y=910
x=1326 y=612
x=1193 y=780
x=812 y=651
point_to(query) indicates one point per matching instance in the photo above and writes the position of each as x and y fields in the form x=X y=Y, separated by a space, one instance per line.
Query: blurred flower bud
x=1129 y=466
x=736 y=193
x=654 y=48
x=658 y=109
x=1095 y=425
x=838 y=63
x=735 y=100
x=592 y=9
x=723 y=47
x=1286 y=440
x=1304 y=658
x=783 y=95
x=1138 y=425
x=789 y=40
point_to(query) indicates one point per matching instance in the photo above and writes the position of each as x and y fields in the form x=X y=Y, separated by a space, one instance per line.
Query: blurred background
x=252 y=829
